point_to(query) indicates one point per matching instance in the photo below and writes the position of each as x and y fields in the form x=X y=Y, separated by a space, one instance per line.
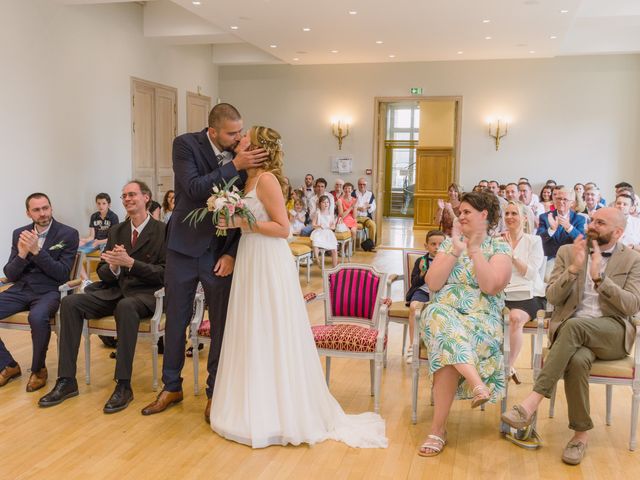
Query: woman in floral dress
x=462 y=326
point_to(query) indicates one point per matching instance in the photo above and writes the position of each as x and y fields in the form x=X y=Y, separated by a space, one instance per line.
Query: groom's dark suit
x=192 y=252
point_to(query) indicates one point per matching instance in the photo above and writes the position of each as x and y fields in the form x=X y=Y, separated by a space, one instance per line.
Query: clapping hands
x=579 y=254
x=118 y=257
x=459 y=245
x=28 y=243
x=596 y=261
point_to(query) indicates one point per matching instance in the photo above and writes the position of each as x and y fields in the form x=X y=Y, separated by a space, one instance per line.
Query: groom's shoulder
x=193 y=136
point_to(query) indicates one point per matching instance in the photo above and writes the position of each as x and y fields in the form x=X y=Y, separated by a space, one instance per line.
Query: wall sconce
x=340 y=129
x=498 y=129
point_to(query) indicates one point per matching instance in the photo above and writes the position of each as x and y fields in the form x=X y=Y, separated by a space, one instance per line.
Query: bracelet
x=454 y=255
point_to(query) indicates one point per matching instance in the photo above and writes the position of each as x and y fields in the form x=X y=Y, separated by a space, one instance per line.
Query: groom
x=194 y=253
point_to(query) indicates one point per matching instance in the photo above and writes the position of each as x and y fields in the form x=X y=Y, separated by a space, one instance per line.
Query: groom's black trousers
x=182 y=274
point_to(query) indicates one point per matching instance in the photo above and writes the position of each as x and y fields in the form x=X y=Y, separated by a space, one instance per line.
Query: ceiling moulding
x=241 y=54
x=163 y=18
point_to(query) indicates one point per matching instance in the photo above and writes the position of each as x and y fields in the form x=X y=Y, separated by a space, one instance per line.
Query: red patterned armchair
x=355 y=319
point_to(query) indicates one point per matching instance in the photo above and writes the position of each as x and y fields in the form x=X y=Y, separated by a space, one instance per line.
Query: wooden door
x=143 y=133
x=434 y=174
x=198 y=108
x=154 y=128
x=165 y=132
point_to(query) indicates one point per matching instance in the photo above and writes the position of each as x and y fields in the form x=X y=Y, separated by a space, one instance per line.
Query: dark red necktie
x=134 y=239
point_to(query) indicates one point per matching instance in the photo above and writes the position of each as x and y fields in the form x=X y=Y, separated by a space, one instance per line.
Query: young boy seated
x=418 y=291
x=99 y=225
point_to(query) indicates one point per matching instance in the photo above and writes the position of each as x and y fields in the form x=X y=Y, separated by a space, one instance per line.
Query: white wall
x=574 y=118
x=65 y=111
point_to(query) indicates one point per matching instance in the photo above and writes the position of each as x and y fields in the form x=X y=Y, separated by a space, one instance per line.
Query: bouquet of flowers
x=226 y=202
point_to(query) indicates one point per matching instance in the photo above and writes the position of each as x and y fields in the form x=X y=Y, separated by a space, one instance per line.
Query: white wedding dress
x=270 y=388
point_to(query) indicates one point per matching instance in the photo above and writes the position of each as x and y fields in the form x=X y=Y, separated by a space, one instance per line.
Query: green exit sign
x=416 y=91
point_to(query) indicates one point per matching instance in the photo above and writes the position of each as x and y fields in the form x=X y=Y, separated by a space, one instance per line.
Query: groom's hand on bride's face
x=224 y=266
x=246 y=158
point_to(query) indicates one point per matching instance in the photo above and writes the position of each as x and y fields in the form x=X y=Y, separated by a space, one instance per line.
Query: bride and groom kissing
x=265 y=384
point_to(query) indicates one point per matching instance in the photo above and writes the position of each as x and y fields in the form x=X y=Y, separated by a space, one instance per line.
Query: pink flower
x=231 y=208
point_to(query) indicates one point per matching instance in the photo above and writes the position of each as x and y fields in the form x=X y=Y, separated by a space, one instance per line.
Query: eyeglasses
x=362 y=184
x=561 y=199
x=129 y=194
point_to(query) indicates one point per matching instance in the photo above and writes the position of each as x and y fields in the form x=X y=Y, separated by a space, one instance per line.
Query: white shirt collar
x=140 y=227
x=227 y=157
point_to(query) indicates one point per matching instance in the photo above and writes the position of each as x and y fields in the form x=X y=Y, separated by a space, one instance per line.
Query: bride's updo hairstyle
x=269 y=139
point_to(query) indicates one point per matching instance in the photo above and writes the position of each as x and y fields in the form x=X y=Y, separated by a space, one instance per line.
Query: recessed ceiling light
x=564 y=11
x=379 y=42
x=553 y=37
x=486 y=20
x=532 y=51
x=195 y=2
x=334 y=51
x=234 y=27
x=352 y=12
x=487 y=38
x=306 y=29
x=460 y=52
x=296 y=59
x=273 y=46
x=392 y=56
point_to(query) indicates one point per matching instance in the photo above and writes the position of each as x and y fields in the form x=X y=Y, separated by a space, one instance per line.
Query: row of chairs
x=356 y=327
x=151 y=329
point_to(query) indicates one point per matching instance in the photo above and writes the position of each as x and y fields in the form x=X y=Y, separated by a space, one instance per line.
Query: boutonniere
x=57 y=246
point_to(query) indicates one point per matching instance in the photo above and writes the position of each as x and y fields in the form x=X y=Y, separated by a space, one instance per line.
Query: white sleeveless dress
x=324 y=237
x=270 y=388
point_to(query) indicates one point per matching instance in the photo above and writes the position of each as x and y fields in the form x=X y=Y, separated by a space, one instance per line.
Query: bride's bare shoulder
x=267 y=185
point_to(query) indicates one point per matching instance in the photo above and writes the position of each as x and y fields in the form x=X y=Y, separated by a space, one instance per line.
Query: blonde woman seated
x=462 y=326
x=525 y=292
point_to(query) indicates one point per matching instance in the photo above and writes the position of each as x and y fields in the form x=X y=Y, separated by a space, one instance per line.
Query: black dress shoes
x=63 y=389
x=120 y=399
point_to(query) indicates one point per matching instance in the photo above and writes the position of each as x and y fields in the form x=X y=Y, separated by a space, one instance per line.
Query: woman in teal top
x=462 y=326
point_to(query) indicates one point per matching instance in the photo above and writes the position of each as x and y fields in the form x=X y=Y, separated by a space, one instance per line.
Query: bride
x=270 y=387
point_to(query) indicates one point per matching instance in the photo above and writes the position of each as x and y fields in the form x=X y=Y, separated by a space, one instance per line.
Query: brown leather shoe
x=162 y=401
x=37 y=380
x=207 y=412
x=8 y=373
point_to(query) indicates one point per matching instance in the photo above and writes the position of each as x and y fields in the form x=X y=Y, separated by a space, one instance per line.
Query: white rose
x=220 y=202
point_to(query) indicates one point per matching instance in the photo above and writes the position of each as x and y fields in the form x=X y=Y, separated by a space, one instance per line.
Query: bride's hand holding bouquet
x=227 y=208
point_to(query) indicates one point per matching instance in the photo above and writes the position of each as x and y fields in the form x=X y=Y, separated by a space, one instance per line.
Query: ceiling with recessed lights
x=309 y=32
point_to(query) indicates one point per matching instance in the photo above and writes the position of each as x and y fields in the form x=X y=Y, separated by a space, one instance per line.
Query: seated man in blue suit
x=559 y=227
x=42 y=255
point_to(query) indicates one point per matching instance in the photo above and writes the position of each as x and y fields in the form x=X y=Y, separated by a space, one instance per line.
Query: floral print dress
x=464 y=325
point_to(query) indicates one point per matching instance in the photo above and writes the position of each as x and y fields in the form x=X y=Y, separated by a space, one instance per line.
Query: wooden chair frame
x=378 y=321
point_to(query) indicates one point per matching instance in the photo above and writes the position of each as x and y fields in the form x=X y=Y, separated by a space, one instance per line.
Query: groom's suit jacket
x=619 y=292
x=196 y=171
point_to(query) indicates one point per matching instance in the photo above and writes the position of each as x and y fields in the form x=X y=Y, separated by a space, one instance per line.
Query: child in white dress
x=324 y=223
x=297 y=217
